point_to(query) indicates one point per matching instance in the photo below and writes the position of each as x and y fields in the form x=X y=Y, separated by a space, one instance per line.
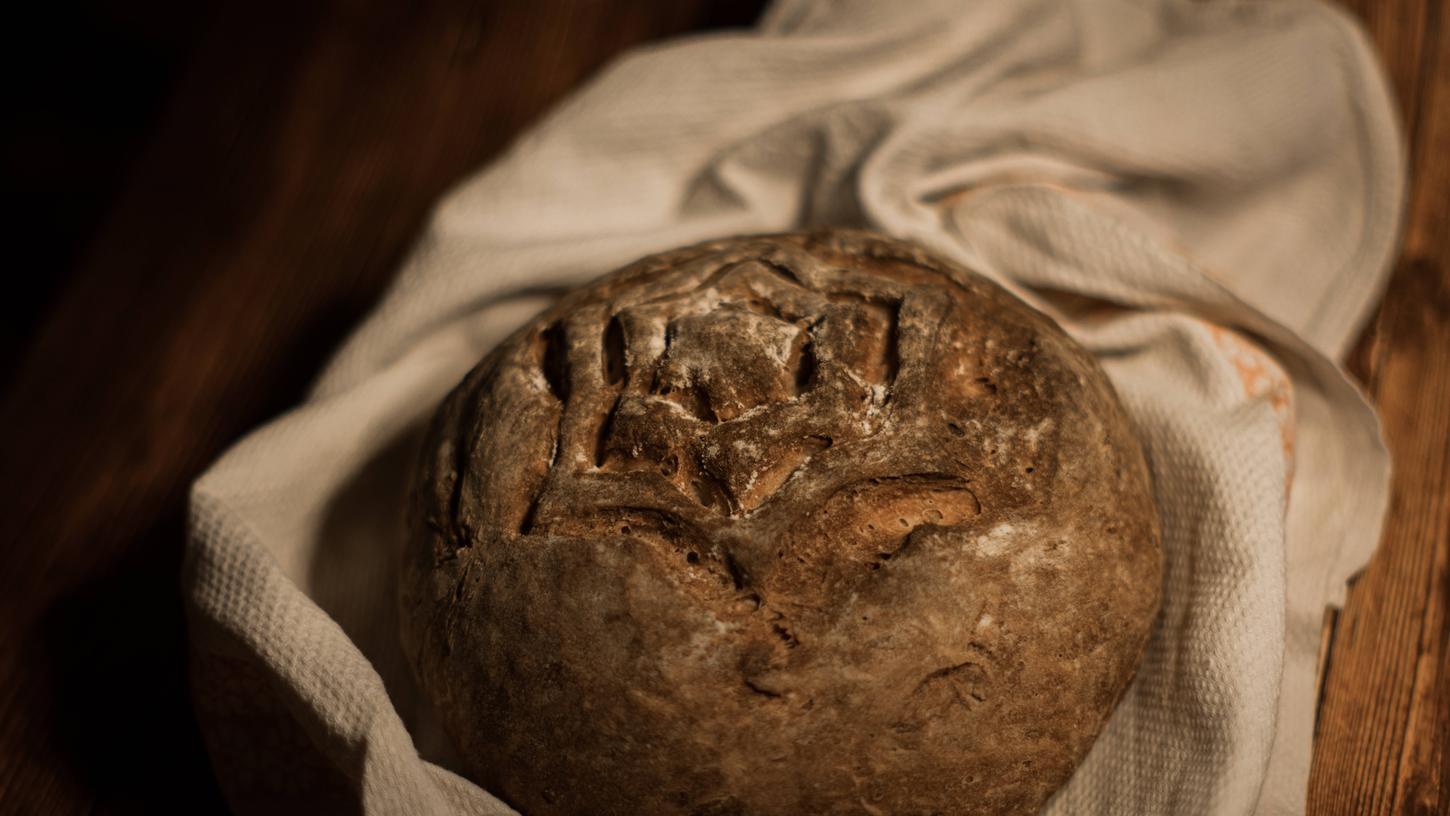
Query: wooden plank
x=1382 y=730
x=295 y=165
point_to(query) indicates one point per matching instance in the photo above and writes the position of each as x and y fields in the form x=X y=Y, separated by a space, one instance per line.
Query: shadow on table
x=115 y=661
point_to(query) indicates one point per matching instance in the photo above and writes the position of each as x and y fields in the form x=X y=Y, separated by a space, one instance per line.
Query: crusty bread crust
x=805 y=523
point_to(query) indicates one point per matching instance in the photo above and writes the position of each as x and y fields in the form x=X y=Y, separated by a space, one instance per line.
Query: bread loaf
x=806 y=523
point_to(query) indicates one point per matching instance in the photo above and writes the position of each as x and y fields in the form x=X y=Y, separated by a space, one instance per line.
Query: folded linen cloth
x=1205 y=194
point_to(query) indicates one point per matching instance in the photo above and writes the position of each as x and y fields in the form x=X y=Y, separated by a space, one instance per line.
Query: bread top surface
x=773 y=523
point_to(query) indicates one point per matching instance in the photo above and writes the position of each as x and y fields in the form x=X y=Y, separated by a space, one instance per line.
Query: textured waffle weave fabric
x=1205 y=194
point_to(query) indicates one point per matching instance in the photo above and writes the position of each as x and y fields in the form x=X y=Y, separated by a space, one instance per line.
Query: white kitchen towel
x=1206 y=194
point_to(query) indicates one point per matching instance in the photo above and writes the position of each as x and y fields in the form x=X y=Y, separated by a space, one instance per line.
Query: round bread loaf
x=791 y=524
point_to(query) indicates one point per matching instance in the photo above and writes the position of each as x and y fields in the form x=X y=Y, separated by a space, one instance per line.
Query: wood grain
x=1384 y=717
x=301 y=151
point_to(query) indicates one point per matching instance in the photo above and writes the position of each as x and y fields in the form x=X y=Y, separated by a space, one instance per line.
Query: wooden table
x=293 y=158
x=1384 y=713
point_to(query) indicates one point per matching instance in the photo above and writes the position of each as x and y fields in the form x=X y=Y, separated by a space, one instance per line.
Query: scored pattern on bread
x=781 y=524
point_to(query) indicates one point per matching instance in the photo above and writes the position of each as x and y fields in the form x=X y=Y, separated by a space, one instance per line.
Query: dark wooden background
x=211 y=195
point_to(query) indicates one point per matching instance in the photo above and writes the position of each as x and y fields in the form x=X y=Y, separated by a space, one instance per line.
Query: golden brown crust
x=806 y=523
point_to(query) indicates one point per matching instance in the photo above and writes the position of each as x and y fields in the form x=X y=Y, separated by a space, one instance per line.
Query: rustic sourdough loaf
x=806 y=523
